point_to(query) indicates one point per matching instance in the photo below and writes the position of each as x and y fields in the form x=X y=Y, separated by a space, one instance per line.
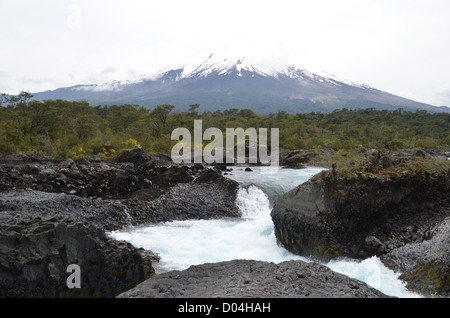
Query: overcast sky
x=399 y=46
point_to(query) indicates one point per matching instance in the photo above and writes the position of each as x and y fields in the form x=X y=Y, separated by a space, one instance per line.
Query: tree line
x=74 y=128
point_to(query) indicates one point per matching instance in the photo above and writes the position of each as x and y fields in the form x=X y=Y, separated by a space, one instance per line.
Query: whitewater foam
x=184 y=243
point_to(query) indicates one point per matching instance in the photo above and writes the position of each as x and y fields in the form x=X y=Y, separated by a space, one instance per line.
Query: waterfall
x=184 y=243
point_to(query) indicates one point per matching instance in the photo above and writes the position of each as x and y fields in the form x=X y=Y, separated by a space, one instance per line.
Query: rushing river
x=184 y=243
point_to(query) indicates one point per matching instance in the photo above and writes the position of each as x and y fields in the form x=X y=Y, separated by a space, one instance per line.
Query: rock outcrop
x=299 y=158
x=425 y=266
x=253 y=279
x=36 y=251
x=54 y=213
x=367 y=212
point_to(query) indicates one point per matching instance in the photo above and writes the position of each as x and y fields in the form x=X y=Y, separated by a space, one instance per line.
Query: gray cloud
x=108 y=70
x=442 y=96
x=398 y=46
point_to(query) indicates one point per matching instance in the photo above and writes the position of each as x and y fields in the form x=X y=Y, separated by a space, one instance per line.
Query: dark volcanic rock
x=37 y=249
x=55 y=212
x=425 y=266
x=253 y=279
x=107 y=215
x=359 y=218
x=210 y=196
x=367 y=213
x=299 y=158
x=23 y=158
x=199 y=200
x=136 y=156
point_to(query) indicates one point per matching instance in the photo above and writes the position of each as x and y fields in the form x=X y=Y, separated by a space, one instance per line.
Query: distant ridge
x=219 y=82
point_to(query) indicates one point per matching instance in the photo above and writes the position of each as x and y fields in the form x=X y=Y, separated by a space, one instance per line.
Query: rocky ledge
x=54 y=213
x=253 y=279
x=395 y=207
x=36 y=250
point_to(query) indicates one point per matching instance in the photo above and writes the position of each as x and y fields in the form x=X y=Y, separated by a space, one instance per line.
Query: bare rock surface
x=253 y=279
x=55 y=213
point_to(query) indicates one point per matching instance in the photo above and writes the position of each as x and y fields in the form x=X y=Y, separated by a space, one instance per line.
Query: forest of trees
x=72 y=129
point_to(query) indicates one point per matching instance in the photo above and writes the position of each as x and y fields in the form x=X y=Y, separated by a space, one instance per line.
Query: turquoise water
x=184 y=243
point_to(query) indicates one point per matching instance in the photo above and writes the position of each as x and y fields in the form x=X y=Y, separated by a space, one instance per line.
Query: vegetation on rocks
x=373 y=203
x=387 y=182
x=56 y=212
x=75 y=129
x=374 y=164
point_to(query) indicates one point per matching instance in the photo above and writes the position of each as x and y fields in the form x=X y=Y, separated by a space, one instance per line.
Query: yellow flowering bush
x=106 y=152
x=132 y=142
x=78 y=152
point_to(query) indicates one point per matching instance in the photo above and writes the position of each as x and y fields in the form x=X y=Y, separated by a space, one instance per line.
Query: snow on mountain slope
x=267 y=67
x=219 y=64
x=225 y=65
x=223 y=80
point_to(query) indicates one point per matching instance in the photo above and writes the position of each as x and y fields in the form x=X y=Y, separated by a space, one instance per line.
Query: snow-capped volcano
x=224 y=65
x=268 y=67
x=221 y=82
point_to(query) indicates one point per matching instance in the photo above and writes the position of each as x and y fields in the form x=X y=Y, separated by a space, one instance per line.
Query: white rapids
x=181 y=244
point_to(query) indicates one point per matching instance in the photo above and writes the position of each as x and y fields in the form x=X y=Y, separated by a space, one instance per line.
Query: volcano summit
x=220 y=82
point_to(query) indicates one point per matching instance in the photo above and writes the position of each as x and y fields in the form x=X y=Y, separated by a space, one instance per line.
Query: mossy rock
x=320 y=250
x=116 y=272
x=427 y=279
x=177 y=174
x=148 y=257
x=137 y=156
